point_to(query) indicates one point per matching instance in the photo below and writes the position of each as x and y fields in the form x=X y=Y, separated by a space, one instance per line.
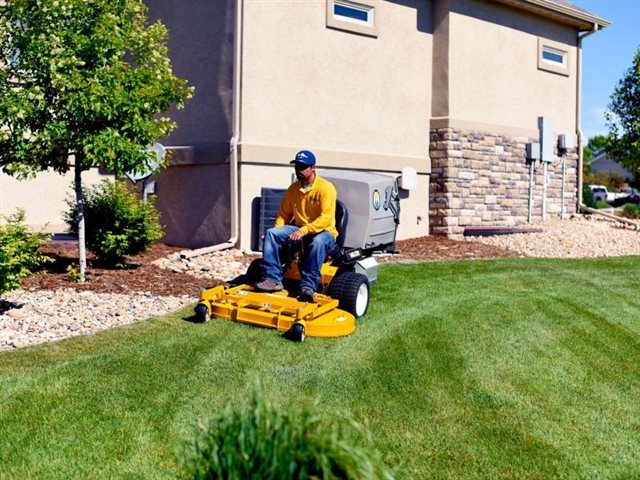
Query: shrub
x=19 y=255
x=601 y=204
x=117 y=223
x=631 y=210
x=259 y=441
x=587 y=196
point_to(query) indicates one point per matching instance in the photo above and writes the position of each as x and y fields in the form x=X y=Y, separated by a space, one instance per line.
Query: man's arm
x=285 y=212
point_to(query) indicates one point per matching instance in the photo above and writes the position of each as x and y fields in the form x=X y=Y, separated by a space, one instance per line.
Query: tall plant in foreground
x=86 y=79
x=258 y=440
x=19 y=254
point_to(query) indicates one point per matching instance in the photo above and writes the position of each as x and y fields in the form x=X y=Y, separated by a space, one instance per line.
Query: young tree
x=82 y=83
x=623 y=119
x=594 y=144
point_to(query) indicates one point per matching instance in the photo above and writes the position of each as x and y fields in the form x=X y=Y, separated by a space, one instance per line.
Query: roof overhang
x=560 y=11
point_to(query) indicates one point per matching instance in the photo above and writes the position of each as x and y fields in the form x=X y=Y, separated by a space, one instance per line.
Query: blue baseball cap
x=304 y=157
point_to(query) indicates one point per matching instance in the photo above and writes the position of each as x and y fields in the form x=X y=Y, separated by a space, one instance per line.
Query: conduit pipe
x=234 y=144
x=595 y=211
x=531 y=173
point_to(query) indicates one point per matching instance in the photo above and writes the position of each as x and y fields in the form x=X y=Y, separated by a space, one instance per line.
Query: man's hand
x=295 y=236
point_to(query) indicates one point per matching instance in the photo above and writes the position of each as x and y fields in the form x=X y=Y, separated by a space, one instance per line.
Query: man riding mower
x=278 y=292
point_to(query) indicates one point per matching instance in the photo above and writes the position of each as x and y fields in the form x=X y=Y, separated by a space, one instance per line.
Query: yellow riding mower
x=346 y=277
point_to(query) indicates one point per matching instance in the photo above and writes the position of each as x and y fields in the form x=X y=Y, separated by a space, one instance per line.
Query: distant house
x=601 y=163
x=450 y=88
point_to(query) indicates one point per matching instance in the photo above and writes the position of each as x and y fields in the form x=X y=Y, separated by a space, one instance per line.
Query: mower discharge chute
x=367 y=216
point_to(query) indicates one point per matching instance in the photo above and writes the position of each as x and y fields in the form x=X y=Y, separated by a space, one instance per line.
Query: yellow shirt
x=314 y=210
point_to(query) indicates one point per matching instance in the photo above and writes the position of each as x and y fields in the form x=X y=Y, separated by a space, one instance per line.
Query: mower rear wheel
x=202 y=313
x=297 y=333
x=351 y=289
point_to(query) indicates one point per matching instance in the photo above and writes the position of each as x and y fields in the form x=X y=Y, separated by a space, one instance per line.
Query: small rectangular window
x=350 y=12
x=355 y=16
x=552 y=57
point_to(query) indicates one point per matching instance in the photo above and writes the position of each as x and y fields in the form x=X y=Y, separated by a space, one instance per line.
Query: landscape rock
x=29 y=317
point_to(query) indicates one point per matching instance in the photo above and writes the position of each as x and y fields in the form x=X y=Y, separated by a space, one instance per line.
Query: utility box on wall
x=545 y=127
x=533 y=151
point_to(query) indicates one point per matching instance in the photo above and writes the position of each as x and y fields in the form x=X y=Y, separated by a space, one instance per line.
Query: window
x=357 y=17
x=553 y=57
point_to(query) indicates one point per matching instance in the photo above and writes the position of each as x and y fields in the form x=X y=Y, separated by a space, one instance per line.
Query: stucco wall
x=201 y=50
x=357 y=101
x=193 y=192
x=491 y=91
x=492 y=75
x=308 y=85
x=44 y=198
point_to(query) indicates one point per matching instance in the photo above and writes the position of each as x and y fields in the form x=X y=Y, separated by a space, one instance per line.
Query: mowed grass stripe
x=516 y=368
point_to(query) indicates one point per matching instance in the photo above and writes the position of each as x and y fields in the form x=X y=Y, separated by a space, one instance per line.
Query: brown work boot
x=268 y=285
x=306 y=295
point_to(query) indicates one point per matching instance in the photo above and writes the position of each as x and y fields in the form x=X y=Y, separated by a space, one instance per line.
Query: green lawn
x=514 y=368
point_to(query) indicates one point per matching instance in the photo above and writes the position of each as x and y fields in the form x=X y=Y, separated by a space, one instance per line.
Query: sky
x=607 y=55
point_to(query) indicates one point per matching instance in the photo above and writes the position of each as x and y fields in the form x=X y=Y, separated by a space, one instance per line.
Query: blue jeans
x=316 y=248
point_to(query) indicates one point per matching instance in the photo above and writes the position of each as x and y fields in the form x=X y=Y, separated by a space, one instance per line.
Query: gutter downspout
x=579 y=111
x=234 y=144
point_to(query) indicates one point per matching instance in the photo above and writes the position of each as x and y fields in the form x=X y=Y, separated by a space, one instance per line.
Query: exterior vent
x=270 y=199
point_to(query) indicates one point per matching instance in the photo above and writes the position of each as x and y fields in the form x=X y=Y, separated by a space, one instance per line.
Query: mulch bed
x=140 y=275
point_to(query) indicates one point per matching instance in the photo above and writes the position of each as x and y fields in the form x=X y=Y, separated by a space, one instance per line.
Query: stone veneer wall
x=482 y=179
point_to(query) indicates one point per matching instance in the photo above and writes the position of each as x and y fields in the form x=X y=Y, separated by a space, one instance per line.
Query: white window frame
x=555 y=48
x=343 y=22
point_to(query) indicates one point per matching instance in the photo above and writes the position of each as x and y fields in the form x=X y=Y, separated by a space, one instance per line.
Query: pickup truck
x=600 y=193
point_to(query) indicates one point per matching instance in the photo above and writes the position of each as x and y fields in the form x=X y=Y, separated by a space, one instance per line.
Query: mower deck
x=277 y=310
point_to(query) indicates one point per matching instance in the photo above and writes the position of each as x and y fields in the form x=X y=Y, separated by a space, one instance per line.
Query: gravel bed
x=36 y=316
x=577 y=237
x=32 y=317
x=220 y=265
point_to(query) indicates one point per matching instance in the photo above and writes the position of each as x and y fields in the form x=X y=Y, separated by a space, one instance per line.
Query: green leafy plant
x=73 y=274
x=631 y=210
x=601 y=204
x=257 y=440
x=19 y=254
x=623 y=118
x=118 y=224
x=587 y=196
x=84 y=78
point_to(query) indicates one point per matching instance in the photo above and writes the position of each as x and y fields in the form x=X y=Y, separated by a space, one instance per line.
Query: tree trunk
x=82 y=254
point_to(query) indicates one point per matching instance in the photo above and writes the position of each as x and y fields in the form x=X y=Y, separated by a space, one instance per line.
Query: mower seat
x=342 y=218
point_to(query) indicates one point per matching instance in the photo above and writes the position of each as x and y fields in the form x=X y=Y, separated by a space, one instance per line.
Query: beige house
x=452 y=89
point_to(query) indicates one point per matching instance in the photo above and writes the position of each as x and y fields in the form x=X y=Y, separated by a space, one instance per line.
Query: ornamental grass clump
x=259 y=441
x=118 y=224
x=631 y=210
x=19 y=254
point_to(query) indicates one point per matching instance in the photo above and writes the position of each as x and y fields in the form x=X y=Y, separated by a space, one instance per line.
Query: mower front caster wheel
x=297 y=333
x=202 y=313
